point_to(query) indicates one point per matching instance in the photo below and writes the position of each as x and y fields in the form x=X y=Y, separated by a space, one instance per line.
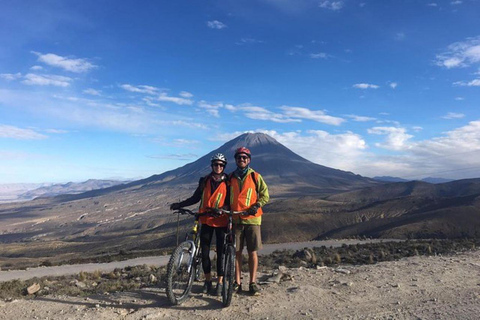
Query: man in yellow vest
x=248 y=192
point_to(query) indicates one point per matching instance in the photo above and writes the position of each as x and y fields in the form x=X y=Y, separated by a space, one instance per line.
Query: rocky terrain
x=435 y=287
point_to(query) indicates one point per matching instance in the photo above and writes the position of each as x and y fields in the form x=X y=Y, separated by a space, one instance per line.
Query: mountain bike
x=229 y=250
x=184 y=264
x=185 y=261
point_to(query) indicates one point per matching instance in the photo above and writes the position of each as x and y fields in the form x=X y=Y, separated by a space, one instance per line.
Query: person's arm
x=226 y=203
x=263 y=195
x=196 y=197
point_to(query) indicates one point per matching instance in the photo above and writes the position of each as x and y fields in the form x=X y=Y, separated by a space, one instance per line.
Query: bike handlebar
x=240 y=213
x=214 y=212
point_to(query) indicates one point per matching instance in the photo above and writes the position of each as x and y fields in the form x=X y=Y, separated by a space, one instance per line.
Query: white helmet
x=219 y=157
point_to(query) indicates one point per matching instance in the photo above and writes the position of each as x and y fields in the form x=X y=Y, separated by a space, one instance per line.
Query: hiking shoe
x=218 y=290
x=207 y=287
x=237 y=287
x=253 y=289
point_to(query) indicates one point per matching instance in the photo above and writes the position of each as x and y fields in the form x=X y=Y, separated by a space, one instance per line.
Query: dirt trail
x=433 y=287
x=155 y=261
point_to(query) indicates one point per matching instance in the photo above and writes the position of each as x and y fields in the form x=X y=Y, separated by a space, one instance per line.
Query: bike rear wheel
x=229 y=277
x=180 y=273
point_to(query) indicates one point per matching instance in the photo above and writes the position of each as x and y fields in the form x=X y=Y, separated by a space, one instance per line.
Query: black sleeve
x=227 y=197
x=226 y=203
x=197 y=195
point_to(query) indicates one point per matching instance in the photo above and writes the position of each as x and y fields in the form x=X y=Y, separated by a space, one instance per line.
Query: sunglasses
x=218 y=165
x=241 y=158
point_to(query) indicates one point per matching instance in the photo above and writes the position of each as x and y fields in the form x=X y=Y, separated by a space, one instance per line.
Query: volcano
x=285 y=172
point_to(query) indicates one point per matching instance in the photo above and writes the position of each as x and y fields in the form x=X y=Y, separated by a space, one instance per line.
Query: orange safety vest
x=213 y=200
x=241 y=200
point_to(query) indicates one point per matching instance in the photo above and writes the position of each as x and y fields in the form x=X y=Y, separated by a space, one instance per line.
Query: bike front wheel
x=229 y=277
x=180 y=273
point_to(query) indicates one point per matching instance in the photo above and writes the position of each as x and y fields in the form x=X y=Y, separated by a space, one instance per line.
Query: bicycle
x=186 y=260
x=184 y=264
x=229 y=250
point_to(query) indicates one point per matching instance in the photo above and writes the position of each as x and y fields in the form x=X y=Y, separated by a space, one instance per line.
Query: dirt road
x=154 y=261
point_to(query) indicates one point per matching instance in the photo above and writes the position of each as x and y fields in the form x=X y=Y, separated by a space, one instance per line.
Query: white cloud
x=288 y=114
x=215 y=24
x=211 y=108
x=453 y=143
x=56 y=131
x=417 y=128
x=177 y=100
x=455 y=154
x=189 y=124
x=81 y=112
x=46 y=80
x=180 y=157
x=397 y=138
x=400 y=36
x=457 y=2
x=231 y=108
x=365 y=86
x=65 y=63
x=459 y=98
x=149 y=102
x=315 y=115
x=7 y=131
x=460 y=54
x=332 y=5
x=185 y=141
x=92 y=92
x=453 y=115
x=246 y=41
x=10 y=76
x=36 y=68
x=432 y=4
x=473 y=83
x=186 y=94
x=14 y=155
x=260 y=113
x=360 y=118
x=393 y=85
x=320 y=55
x=140 y=89
x=342 y=151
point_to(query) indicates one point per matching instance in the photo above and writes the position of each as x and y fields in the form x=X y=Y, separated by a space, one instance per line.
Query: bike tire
x=180 y=274
x=198 y=270
x=229 y=276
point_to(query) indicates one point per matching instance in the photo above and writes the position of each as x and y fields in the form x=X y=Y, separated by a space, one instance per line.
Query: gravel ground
x=436 y=287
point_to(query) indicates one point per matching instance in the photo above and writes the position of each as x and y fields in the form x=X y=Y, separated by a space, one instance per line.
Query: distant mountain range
x=25 y=192
x=396 y=179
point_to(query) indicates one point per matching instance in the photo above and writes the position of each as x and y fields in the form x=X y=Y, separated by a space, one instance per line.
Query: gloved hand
x=175 y=206
x=214 y=212
x=253 y=209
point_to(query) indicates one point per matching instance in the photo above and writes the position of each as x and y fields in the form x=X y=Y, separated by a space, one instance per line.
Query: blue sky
x=127 y=89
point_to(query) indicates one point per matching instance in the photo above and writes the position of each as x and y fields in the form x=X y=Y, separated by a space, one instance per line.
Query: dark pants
x=206 y=235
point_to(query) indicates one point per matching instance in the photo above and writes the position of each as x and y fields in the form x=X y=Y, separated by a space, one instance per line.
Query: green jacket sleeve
x=263 y=195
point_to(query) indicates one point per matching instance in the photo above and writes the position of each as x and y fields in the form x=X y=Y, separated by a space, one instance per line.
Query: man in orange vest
x=212 y=191
x=248 y=192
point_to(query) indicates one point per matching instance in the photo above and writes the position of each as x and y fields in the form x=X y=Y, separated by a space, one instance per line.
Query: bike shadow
x=141 y=299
